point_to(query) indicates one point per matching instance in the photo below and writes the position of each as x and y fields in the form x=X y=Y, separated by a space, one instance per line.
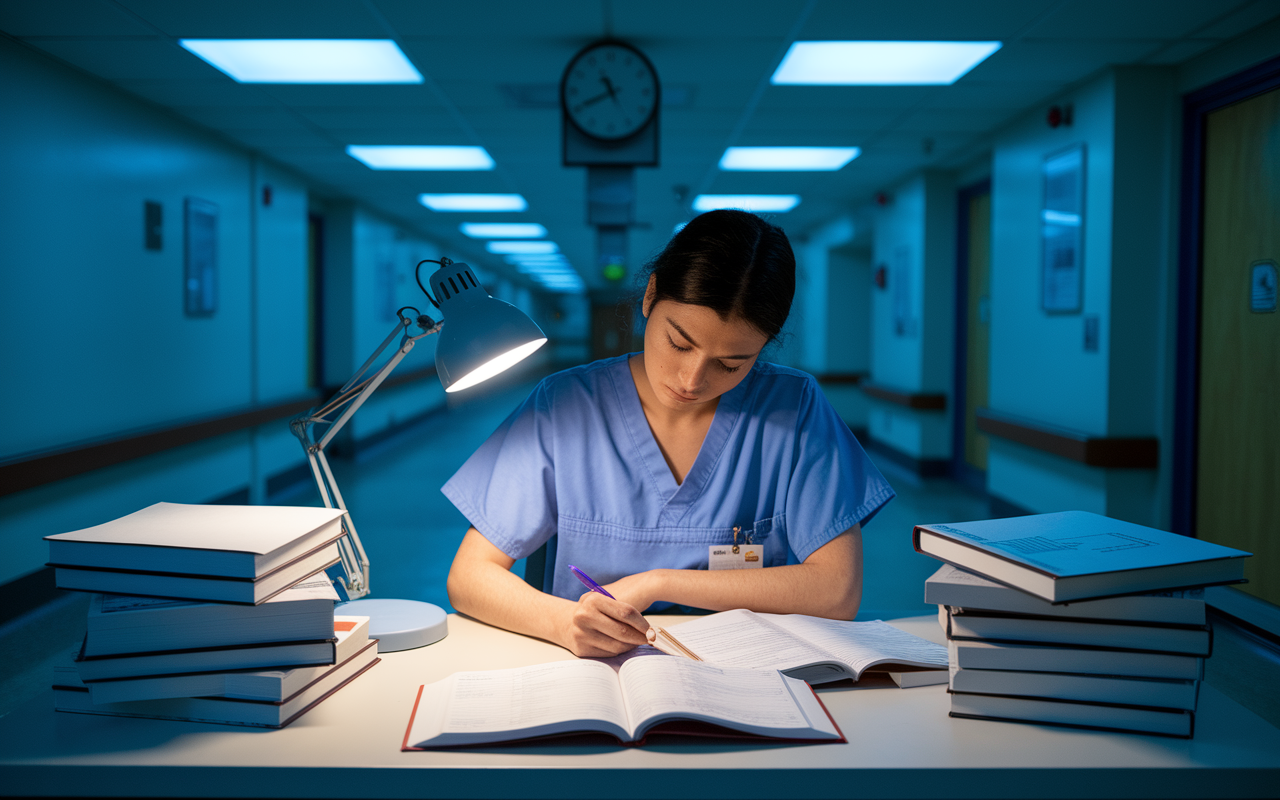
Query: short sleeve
x=833 y=486
x=506 y=489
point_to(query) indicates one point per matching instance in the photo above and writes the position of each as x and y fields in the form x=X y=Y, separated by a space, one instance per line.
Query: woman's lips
x=684 y=398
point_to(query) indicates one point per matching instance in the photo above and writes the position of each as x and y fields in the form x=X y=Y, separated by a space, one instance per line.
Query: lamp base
x=399 y=624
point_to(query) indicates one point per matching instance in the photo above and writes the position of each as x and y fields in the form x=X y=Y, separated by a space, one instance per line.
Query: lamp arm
x=345 y=402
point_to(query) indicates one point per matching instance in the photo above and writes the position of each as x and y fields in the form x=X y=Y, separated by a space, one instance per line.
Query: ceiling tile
x=69 y=18
x=254 y=19
x=921 y=20
x=1108 y=19
x=129 y=58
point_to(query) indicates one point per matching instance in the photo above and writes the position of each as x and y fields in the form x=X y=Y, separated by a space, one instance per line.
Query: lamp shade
x=482 y=336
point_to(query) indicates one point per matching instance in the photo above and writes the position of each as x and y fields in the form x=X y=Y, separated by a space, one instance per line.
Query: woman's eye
x=728 y=368
x=672 y=342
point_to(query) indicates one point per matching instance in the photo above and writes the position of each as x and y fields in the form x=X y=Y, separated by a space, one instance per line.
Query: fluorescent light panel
x=515 y=247
x=777 y=203
x=787 y=159
x=437 y=157
x=503 y=230
x=880 y=63
x=473 y=202
x=536 y=258
x=306 y=60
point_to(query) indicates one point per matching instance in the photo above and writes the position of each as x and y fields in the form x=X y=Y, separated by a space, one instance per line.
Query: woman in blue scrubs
x=639 y=465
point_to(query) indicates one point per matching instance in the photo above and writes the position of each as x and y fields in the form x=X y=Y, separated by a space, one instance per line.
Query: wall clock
x=609 y=91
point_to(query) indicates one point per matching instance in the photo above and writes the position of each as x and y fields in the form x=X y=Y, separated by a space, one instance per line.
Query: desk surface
x=901 y=744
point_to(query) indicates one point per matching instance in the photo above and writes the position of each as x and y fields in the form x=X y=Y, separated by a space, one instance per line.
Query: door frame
x=961 y=471
x=1196 y=107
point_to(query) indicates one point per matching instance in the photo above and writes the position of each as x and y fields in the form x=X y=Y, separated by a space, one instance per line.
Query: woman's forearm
x=491 y=593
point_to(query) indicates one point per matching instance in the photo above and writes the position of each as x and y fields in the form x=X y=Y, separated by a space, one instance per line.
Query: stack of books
x=1075 y=619
x=210 y=614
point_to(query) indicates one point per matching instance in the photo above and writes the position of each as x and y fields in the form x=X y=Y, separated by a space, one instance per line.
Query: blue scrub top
x=578 y=461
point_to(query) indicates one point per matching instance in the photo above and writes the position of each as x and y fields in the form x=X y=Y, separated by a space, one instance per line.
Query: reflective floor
x=411 y=531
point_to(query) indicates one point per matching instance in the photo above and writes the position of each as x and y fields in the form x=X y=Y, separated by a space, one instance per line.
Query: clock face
x=609 y=91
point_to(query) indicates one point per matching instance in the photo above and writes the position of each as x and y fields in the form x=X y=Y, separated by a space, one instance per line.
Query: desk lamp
x=479 y=338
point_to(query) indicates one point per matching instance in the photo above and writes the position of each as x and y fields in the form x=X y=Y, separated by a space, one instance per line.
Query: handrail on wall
x=1137 y=452
x=32 y=470
x=923 y=401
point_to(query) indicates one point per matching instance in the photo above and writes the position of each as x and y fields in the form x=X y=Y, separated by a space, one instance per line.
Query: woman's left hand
x=640 y=590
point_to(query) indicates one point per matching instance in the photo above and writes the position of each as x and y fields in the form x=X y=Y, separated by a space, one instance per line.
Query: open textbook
x=627 y=698
x=812 y=649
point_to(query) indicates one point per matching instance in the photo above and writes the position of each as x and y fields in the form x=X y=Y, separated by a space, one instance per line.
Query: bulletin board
x=1062 y=231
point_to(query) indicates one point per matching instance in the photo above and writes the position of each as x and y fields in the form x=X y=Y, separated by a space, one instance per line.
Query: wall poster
x=1062 y=232
x=200 y=257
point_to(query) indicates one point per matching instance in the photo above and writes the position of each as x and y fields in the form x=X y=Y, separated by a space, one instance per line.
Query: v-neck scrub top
x=578 y=461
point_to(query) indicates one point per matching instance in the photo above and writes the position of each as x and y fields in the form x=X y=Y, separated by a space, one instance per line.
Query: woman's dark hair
x=732 y=262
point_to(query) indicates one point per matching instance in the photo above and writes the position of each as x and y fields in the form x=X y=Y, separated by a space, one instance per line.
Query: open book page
x=742 y=638
x=749 y=700
x=508 y=704
x=863 y=644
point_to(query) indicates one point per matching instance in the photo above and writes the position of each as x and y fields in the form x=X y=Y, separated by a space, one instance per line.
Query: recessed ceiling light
x=533 y=248
x=537 y=258
x=306 y=60
x=420 y=157
x=747 y=202
x=880 y=63
x=503 y=230
x=473 y=202
x=679 y=226
x=787 y=159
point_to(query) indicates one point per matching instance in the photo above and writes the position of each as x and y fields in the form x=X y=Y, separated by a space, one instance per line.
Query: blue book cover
x=1075 y=554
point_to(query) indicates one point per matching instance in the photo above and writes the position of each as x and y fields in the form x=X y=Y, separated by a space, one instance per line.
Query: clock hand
x=591 y=101
x=608 y=85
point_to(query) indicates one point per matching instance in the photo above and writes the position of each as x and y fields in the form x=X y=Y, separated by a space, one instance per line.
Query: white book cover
x=953 y=586
x=244 y=529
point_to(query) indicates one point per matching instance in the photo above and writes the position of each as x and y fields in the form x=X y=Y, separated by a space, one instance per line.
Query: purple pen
x=590 y=584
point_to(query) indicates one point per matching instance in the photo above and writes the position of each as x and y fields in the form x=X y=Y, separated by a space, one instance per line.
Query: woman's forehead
x=706 y=328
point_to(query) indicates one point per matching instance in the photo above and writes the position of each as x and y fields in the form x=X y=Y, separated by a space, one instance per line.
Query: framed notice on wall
x=200 y=257
x=1062 y=232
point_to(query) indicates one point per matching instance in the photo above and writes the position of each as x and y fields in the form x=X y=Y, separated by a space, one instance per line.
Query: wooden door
x=1238 y=462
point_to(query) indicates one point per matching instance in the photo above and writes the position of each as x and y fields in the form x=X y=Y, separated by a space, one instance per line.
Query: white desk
x=901 y=744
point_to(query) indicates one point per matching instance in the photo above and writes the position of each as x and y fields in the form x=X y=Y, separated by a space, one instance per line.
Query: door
x=973 y=340
x=1238 y=439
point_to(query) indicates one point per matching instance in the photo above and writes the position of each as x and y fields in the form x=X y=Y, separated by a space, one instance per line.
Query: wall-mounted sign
x=1262 y=287
x=1062 y=231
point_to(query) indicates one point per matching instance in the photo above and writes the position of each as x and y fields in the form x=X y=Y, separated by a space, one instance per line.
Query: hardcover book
x=245 y=542
x=952 y=586
x=127 y=624
x=274 y=685
x=1076 y=555
x=626 y=699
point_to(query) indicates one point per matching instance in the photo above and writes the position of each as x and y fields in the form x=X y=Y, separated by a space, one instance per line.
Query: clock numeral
x=639 y=109
x=639 y=73
x=609 y=56
x=645 y=92
x=573 y=90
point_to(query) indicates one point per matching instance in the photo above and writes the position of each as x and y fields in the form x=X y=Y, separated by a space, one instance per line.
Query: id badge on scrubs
x=735 y=556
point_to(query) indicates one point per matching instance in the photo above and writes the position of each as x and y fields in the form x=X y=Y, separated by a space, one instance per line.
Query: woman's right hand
x=599 y=626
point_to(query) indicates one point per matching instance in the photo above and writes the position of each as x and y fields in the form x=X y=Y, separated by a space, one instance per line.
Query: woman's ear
x=650 y=292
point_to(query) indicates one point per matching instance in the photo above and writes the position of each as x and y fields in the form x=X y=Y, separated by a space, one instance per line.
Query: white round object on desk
x=399 y=624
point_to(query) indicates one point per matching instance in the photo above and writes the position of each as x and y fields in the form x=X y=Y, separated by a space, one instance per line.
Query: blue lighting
x=880 y=63
x=503 y=230
x=533 y=248
x=759 y=203
x=473 y=202
x=421 y=157
x=787 y=159
x=306 y=60
x=1061 y=218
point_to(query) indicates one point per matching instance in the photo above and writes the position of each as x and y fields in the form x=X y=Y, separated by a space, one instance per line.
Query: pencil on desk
x=667 y=643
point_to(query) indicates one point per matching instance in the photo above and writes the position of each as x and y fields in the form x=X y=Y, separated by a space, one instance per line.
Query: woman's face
x=692 y=356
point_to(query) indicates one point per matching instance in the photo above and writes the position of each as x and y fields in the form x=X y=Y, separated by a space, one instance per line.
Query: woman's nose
x=693 y=375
